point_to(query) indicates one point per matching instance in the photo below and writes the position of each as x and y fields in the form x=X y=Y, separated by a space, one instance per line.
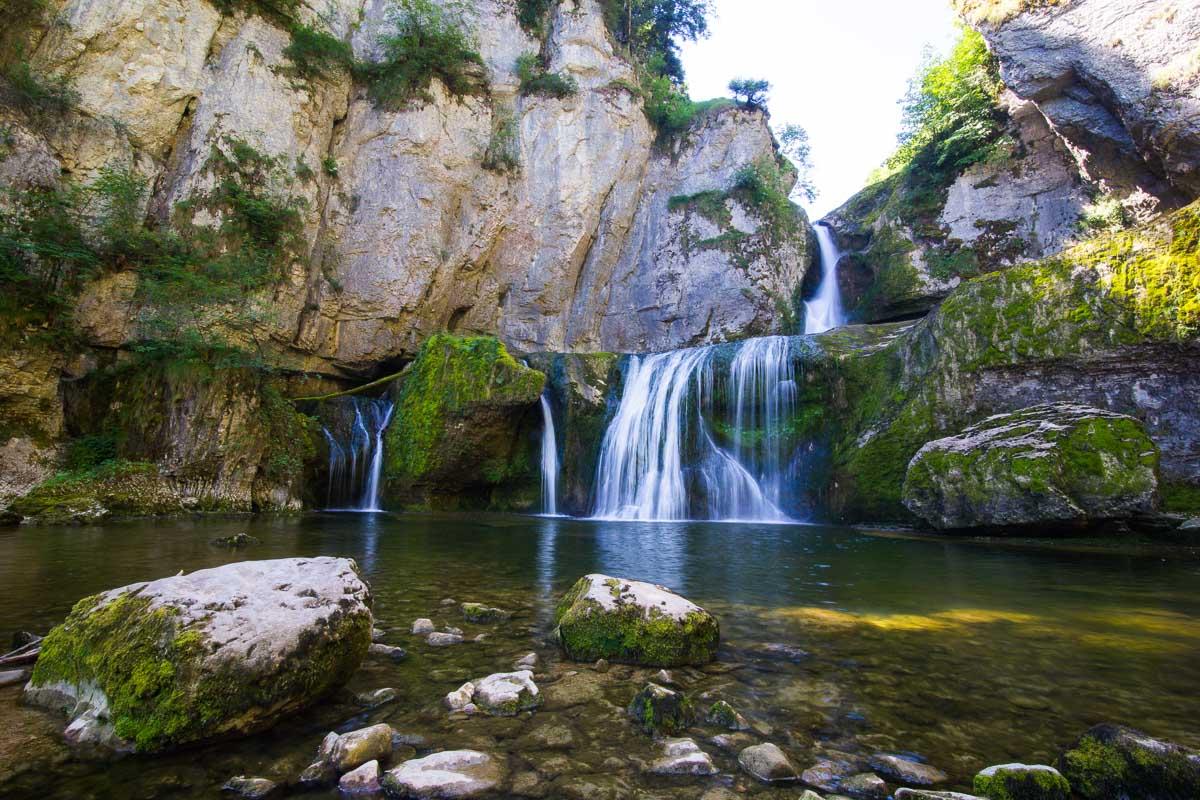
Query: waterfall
x=686 y=442
x=549 y=461
x=824 y=311
x=354 y=434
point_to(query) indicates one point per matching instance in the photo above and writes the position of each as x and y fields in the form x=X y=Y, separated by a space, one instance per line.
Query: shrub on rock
x=1050 y=463
x=219 y=652
x=632 y=622
x=1114 y=761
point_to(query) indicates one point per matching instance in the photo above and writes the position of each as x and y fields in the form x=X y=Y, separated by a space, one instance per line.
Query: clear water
x=967 y=653
x=824 y=311
x=661 y=460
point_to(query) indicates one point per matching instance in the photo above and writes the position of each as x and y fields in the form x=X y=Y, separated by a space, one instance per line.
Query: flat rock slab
x=247 y=643
x=906 y=770
x=633 y=622
x=683 y=757
x=444 y=776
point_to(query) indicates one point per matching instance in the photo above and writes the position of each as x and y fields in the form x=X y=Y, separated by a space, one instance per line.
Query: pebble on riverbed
x=443 y=639
x=767 y=763
x=423 y=626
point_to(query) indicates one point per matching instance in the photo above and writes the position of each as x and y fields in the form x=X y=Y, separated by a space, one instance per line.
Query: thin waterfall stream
x=824 y=311
x=355 y=439
x=549 y=461
x=696 y=438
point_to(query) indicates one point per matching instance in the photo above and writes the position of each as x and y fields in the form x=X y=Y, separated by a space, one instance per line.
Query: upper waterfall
x=824 y=311
x=695 y=439
x=355 y=443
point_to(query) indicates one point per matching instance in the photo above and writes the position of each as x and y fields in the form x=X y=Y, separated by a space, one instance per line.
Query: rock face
x=458 y=425
x=1048 y=463
x=1118 y=80
x=632 y=622
x=1114 y=761
x=218 y=652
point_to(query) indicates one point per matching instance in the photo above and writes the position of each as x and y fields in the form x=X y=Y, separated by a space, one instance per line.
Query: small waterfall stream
x=687 y=442
x=824 y=311
x=549 y=461
x=355 y=439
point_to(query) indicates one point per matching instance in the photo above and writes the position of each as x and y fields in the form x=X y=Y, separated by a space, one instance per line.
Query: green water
x=966 y=653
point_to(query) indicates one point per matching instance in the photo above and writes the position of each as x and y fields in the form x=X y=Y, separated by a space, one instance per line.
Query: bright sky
x=836 y=67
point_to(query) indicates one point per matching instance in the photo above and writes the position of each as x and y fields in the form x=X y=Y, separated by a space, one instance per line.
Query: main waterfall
x=694 y=437
x=355 y=440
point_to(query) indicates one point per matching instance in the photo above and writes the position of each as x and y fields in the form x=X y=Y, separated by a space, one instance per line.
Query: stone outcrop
x=633 y=622
x=218 y=652
x=1119 y=81
x=465 y=427
x=1055 y=463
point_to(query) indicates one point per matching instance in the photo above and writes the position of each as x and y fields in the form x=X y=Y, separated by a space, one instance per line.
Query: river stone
x=683 y=757
x=660 y=710
x=422 y=626
x=478 y=613
x=767 y=763
x=353 y=749
x=925 y=794
x=827 y=775
x=1057 y=462
x=632 y=622
x=461 y=697
x=219 y=652
x=726 y=716
x=443 y=639
x=444 y=776
x=1022 y=782
x=906 y=770
x=249 y=788
x=364 y=780
x=507 y=694
x=1112 y=761
x=12 y=676
x=867 y=786
x=388 y=651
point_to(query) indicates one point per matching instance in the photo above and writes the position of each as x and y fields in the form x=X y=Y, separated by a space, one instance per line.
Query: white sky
x=836 y=67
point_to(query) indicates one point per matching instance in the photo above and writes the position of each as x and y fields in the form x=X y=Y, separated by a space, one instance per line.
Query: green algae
x=1109 y=761
x=1014 y=784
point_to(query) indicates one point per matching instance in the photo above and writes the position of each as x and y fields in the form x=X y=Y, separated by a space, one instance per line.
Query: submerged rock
x=249 y=788
x=235 y=542
x=725 y=716
x=388 y=651
x=444 y=776
x=1058 y=462
x=906 y=770
x=767 y=763
x=439 y=639
x=867 y=786
x=827 y=775
x=219 y=652
x=633 y=622
x=683 y=757
x=481 y=614
x=350 y=750
x=1114 y=761
x=660 y=710
x=1022 y=782
x=925 y=794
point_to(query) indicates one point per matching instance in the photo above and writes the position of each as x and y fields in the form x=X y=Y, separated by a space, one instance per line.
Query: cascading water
x=685 y=443
x=355 y=438
x=824 y=311
x=549 y=461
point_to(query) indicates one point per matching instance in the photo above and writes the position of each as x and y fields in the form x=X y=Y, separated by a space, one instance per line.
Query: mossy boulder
x=116 y=488
x=219 y=652
x=1112 y=762
x=1050 y=463
x=480 y=614
x=466 y=428
x=632 y=622
x=659 y=710
x=1022 y=782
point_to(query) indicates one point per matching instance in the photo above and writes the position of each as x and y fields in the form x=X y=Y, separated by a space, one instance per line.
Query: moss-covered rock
x=1112 y=761
x=480 y=614
x=465 y=427
x=1022 y=782
x=1049 y=463
x=116 y=488
x=219 y=652
x=661 y=711
x=632 y=622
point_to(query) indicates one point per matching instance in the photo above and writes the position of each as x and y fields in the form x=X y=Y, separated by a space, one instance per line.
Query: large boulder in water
x=1050 y=463
x=1112 y=761
x=465 y=428
x=632 y=622
x=219 y=652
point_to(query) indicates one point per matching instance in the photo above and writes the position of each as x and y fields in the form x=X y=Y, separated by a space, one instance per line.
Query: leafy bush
x=532 y=15
x=428 y=42
x=89 y=452
x=316 y=54
x=764 y=184
x=535 y=79
x=36 y=94
x=750 y=93
x=329 y=166
x=1106 y=214
x=503 y=152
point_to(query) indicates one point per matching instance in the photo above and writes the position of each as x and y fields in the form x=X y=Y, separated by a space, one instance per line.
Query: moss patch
x=1023 y=784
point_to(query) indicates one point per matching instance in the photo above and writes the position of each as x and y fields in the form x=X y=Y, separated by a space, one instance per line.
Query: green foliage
x=951 y=113
x=750 y=93
x=282 y=12
x=532 y=15
x=329 y=166
x=764 y=185
x=652 y=29
x=503 y=152
x=38 y=95
x=427 y=41
x=535 y=79
x=90 y=451
x=7 y=141
x=315 y=54
x=1106 y=214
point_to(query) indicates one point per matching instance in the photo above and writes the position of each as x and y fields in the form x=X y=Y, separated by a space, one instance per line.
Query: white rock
x=364 y=780
x=445 y=776
x=422 y=627
x=443 y=639
x=683 y=757
x=460 y=697
x=507 y=693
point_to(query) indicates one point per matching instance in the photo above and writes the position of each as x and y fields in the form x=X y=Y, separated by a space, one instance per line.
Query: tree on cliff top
x=652 y=28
